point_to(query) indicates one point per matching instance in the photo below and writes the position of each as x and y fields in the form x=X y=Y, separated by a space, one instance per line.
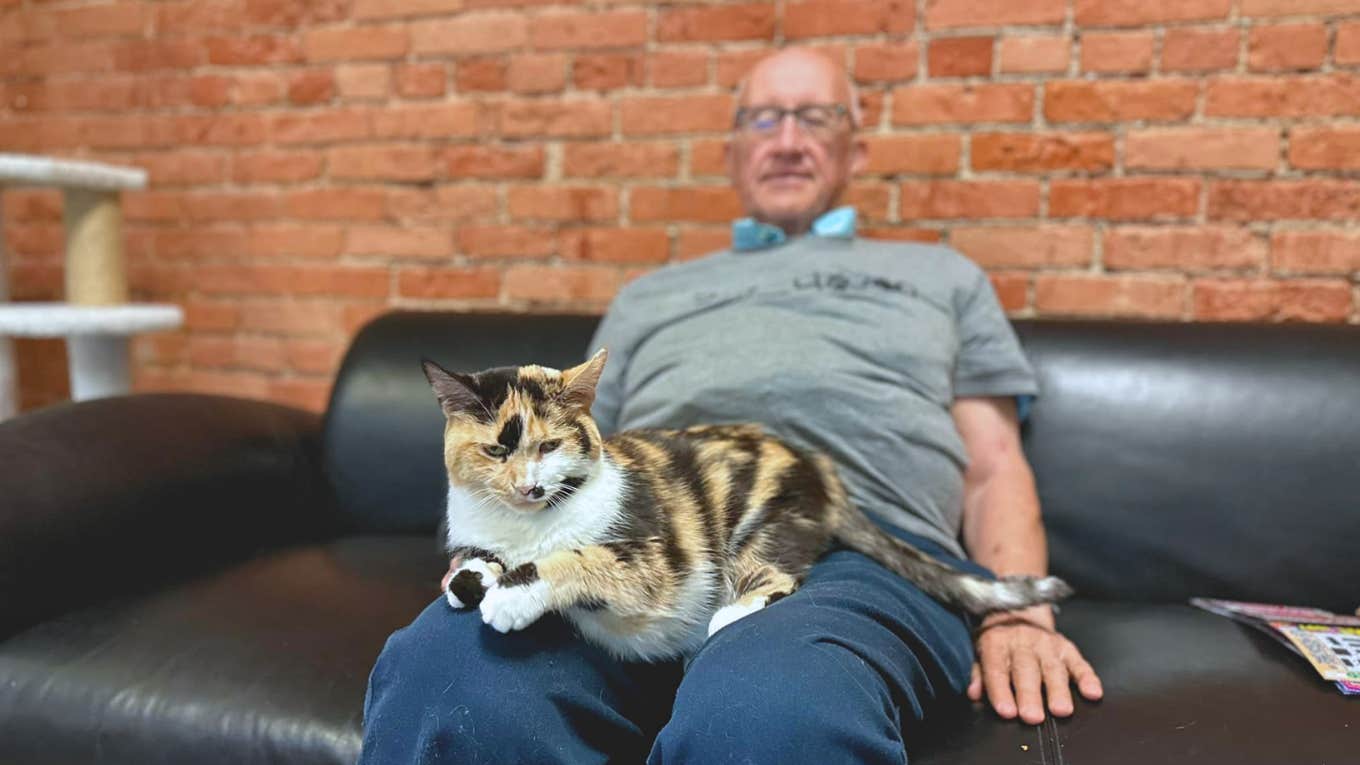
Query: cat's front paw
x=470 y=584
x=514 y=608
x=728 y=614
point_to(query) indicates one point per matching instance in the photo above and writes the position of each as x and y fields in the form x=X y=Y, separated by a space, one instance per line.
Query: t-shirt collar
x=749 y=234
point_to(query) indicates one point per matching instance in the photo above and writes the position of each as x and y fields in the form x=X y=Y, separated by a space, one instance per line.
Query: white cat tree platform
x=96 y=319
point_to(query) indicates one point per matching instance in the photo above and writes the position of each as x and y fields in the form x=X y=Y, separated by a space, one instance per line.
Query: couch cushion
x=264 y=662
x=1181 y=686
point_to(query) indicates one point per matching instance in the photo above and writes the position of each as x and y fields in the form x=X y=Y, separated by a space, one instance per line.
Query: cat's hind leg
x=754 y=589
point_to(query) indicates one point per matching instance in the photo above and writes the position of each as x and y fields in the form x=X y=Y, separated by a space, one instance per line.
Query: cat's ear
x=455 y=397
x=578 y=383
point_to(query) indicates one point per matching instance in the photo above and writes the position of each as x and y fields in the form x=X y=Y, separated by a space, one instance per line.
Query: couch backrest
x=1172 y=459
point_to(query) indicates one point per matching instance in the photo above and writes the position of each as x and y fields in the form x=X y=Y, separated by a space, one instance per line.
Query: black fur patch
x=467 y=586
x=582 y=436
x=569 y=486
x=526 y=574
x=470 y=553
x=492 y=387
x=511 y=433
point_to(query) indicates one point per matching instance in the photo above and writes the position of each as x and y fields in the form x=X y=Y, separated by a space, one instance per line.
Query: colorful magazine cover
x=1328 y=641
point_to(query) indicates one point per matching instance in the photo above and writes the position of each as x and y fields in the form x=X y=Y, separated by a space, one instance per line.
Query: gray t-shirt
x=853 y=347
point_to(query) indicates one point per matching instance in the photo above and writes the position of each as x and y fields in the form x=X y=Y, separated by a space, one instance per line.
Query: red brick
x=1139 y=297
x=1347 y=51
x=574 y=284
x=622 y=160
x=337 y=204
x=872 y=200
x=1199 y=50
x=186 y=168
x=314 y=87
x=678 y=68
x=319 y=126
x=349 y=44
x=230 y=206
x=200 y=243
x=1250 y=201
x=1311 y=300
x=1117 y=51
x=396 y=162
x=481 y=74
x=494 y=161
x=830 y=18
x=291 y=316
x=705 y=24
x=255 y=50
x=432 y=120
x=1202 y=149
x=1119 y=101
x=557 y=118
x=421 y=80
x=988 y=102
x=293 y=240
x=150 y=55
x=1132 y=13
x=1125 y=198
x=558 y=203
x=1322 y=251
x=708 y=156
x=148 y=206
x=1298 y=7
x=368 y=10
x=943 y=14
x=893 y=62
x=703 y=204
x=1026 y=55
x=275 y=167
x=898 y=233
x=945 y=200
x=448 y=283
x=363 y=81
x=653 y=115
x=537 y=73
x=470 y=34
x=1275 y=97
x=1029 y=152
x=732 y=66
x=261 y=354
x=1012 y=290
x=697 y=241
x=297 y=280
x=1045 y=246
x=607 y=71
x=505 y=241
x=1325 y=147
x=211 y=316
x=258 y=89
x=617 y=245
x=959 y=56
x=400 y=241
x=574 y=29
x=464 y=202
x=1285 y=47
x=320 y=357
x=914 y=154
x=1189 y=249
x=310 y=394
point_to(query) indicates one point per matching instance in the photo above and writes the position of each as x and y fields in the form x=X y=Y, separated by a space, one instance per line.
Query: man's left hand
x=1020 y=656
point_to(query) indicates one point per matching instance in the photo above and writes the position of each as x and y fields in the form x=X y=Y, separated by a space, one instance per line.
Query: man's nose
x=789 y=136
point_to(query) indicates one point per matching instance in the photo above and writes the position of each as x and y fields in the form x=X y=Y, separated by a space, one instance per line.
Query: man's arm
x=1019 y=653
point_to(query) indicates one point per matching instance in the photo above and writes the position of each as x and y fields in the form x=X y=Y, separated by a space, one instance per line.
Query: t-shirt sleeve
x=991 y=361
x=612 y=333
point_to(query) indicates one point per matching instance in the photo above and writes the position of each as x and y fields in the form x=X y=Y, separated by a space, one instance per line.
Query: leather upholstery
x=223 y=589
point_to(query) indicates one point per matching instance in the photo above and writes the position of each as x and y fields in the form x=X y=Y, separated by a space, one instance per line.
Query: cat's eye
x=549 y=446
x=495 y=450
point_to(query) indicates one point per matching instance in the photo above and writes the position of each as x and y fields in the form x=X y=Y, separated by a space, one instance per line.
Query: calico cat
x=651 y=540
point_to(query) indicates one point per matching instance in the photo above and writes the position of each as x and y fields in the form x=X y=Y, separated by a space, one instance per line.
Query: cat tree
x=96 y=319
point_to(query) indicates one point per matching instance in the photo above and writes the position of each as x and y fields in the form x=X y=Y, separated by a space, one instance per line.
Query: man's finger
x=975 y=684
x=1088 y=682
x=996 y=676
x=1056 y=685
x=1028 y=686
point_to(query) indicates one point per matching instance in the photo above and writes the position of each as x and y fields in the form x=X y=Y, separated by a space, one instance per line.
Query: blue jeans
x=839 y=672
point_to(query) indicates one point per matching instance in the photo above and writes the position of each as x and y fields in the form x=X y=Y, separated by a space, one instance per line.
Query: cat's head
x=520 y=435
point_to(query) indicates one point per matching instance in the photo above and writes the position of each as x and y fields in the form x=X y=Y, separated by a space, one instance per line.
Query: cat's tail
x=969 y=592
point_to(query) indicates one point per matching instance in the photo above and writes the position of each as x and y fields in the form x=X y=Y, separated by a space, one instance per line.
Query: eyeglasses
x=817 y=120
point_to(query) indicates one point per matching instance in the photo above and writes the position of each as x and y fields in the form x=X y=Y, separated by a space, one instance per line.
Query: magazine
x=1328 y=641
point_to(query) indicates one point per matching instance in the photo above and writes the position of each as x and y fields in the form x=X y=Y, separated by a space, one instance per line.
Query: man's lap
x=854 y=657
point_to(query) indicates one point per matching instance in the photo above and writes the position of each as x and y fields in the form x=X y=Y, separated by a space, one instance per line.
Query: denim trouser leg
x=448 y=689
x=838 y=672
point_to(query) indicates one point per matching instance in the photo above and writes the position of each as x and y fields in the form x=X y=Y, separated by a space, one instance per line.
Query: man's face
x=789 y=172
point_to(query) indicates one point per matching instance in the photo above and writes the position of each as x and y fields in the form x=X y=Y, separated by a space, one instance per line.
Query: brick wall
x=314 y=163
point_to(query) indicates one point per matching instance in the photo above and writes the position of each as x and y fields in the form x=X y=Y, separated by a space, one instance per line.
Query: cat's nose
x=531 y=492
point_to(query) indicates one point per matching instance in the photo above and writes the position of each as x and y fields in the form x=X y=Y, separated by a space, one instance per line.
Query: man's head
x=789 y=168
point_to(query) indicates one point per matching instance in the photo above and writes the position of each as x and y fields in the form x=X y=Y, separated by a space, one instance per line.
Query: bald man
x=896 y=360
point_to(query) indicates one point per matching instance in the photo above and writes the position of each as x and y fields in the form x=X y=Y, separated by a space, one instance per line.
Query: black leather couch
x=197 y=579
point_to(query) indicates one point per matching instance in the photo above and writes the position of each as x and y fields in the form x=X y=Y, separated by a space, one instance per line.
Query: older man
x=894 y=359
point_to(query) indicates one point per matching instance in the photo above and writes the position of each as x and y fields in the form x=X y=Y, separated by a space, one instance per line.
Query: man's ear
x=455 y=397
x=859 y=155
x=579 y=382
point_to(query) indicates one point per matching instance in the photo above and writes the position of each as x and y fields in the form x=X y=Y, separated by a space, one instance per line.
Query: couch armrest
x=115 y=495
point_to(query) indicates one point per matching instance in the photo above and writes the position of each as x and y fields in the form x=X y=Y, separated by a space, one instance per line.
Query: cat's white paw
x=514 y=608
x=473 y=589
x=728 y=614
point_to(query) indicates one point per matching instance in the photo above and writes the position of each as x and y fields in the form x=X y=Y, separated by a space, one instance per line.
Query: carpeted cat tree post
x=95 y=319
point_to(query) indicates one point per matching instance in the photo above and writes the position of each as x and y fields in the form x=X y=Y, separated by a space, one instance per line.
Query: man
x=894 y=359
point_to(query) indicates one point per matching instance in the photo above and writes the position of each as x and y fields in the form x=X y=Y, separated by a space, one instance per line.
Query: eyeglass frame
x=740 y=125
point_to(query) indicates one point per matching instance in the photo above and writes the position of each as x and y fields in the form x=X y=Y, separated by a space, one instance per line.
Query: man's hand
x=1020 y=656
